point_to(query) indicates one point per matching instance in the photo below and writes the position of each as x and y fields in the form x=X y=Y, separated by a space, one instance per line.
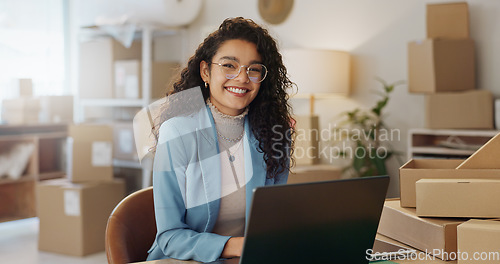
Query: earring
x=206 y=85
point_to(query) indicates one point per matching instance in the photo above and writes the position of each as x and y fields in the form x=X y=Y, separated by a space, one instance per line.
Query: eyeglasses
x=231 y=69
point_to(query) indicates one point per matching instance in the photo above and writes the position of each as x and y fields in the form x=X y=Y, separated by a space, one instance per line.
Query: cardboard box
x=314 y=173
x=90 y=153
x=417 y=169
x=306 y=150
x=472 y=198
x=73 y=216
x=25 y=87
x=448 y=20
x=471 y=109
x=436 y=236
x=21 y=111
x=128 y=78
x=97 y=57
x=484 y=158
x=479 y=239
x=123 y=141
x=56 y=109
x=441 y=65
x=164 y=75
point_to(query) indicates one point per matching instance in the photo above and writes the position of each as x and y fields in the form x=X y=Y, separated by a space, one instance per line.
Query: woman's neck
x=228 y=127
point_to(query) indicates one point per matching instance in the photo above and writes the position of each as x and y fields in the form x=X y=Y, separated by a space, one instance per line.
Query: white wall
x=376 y=33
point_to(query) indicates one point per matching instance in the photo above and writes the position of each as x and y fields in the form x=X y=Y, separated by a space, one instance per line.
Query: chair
x=131 y=228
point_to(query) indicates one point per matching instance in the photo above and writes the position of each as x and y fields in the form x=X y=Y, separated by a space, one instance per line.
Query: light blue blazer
x=187 y=186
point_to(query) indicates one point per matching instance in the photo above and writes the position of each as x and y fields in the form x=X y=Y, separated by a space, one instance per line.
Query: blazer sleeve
x=282 y=178
x=174 y=237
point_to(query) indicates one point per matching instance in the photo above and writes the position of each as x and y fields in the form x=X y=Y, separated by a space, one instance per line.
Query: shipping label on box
x=472 y=198
x=102 y=154
x=470 y=109
x=479 y=242
x=72 y=203
x=128 y=79
x=441 y=65
x=417 y=169
x=124 y=144
x=436 y=236
x=448 y=20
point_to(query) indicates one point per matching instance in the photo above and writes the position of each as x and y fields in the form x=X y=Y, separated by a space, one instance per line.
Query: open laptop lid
x=323 y=222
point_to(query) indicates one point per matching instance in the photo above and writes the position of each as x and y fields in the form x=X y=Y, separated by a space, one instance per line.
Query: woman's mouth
x=237 y=91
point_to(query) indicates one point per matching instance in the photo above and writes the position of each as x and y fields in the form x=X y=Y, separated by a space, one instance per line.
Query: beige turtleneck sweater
x=231 y=218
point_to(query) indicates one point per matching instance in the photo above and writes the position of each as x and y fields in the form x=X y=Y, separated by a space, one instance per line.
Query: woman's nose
x=243 y=75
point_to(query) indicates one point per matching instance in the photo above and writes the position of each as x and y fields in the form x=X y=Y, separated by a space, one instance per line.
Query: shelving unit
x=145 y=33
x=47 y=161
x=446 y=143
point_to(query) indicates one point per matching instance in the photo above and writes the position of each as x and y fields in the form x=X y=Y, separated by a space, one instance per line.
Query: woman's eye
x=229 y=66
x=255 y=70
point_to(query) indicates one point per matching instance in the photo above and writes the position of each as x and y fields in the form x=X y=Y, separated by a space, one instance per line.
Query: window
x=32 y=46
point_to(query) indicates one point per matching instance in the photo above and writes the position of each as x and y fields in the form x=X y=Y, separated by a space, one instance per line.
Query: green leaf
x=380 y=165
x=368 y=122
x=358 y=161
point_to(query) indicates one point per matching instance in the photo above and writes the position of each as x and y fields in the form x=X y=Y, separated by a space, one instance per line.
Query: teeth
x=236 y=90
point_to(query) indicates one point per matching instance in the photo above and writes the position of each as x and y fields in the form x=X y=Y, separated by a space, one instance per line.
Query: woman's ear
x=204 y=71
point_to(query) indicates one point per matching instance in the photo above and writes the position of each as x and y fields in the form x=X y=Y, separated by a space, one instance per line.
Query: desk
x=171 y=261
x=429 y=260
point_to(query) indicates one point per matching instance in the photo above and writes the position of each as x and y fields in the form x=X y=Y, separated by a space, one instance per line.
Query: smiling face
x=231 y=97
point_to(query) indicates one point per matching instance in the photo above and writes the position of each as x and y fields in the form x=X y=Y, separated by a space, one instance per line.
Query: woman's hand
x=233 y=247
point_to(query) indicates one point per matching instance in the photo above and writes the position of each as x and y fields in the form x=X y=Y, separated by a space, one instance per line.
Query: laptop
x=319 y=222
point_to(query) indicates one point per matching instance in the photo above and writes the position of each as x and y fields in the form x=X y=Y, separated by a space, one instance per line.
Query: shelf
x=13 y=218
x=454 y=132
x=441 y=151
x=18 y=196
x=51 y=175
x=446 y=143
x=24 y=178
x=113 y=102
x=127 y=164
x=18 y=199
x=32 y=129
x=93 y=31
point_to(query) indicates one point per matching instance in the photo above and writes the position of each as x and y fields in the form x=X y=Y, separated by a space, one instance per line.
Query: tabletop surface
x=422 y=258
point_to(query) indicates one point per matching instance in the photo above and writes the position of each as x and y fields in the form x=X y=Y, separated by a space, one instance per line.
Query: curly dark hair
x=269 y=113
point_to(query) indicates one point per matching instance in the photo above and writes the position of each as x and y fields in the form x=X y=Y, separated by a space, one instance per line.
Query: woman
x=218 y=145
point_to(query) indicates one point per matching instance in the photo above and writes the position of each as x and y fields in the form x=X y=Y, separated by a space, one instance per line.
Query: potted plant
x=362 y=136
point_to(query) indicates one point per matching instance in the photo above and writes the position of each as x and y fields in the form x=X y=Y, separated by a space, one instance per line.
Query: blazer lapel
x=255 y=170
x=209 y=159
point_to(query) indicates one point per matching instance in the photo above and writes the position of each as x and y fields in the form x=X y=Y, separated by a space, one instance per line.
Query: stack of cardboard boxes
x=110 y=70
x=28 y=109
x=73 y=212
x=443 y=68
x=439 y=198
x=440 y=201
